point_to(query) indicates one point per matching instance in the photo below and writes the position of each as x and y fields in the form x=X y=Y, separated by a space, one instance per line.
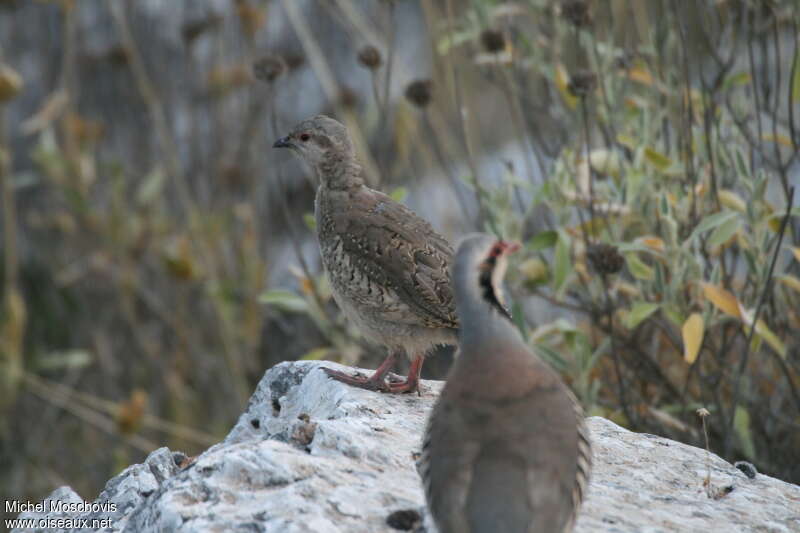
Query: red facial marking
x=304 y=137
x=504 y=247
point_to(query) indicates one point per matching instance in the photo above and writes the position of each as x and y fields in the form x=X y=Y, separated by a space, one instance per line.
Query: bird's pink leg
x=376 y=382
x=411 y=383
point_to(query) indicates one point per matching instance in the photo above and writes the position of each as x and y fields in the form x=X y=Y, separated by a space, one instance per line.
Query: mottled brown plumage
x=506 y=448
x=389 y=270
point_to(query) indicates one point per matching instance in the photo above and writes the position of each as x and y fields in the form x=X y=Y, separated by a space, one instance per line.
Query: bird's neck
x=482 y=326
x=340 y=171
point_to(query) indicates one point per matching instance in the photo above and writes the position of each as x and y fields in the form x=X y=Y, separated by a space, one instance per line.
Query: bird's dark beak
x=283 y=142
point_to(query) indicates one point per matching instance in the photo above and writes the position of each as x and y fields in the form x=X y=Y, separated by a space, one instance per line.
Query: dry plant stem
x=326 y=79
x=776 y=108
x=765 y=292
x=293 y=234
x=69 y=82
x=170 y=155
x=387 y=78
x=688 y=117
x=169 y=148
x=61 y=401
x=484 y=215
x=753 y=76
x=110 y=408
x=10 y=258
x=790 y=96
x=440 y=159
x=609 y=310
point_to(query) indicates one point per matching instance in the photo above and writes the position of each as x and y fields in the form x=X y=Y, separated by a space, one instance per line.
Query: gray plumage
x=389 y=270
x=506 y=448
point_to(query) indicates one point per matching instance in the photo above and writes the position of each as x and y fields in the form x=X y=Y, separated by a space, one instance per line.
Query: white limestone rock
x=312 y=455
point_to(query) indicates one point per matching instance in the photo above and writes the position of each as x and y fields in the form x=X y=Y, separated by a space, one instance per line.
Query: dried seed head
x=418 y=92
x=702 y=412
x=577 y=12
x=370 y=57
x=348 y=98
x=582 y=83
x=194 y=29
x=10 y=83
x=493 y=41
x=269 y=68
x=605 y=258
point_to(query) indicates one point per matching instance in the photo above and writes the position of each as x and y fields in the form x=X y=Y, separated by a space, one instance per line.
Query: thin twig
x=761 y=301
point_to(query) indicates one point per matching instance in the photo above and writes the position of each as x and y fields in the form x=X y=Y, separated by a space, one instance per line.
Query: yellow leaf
x=790 y=281
x=778 y=138
x=731 y=200
x=775 y=343
x=692 y=331
x=657 y=159
x=641 y=75
x=10 y=83
x=605 y=162
x=722 y=299
x=796 y=252
x=654 y=243
x=562 y=81
x=626 y=141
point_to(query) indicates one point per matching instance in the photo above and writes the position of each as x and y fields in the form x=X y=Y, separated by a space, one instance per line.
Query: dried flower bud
x=269 y=68
x=605 y=258
x=194 y=29
x=493 y=41
x=370 y=57
x=348 y=98
x=294 y=60
x=577 y=12
x=10 y=83
x=418 y=92
x=582 y=83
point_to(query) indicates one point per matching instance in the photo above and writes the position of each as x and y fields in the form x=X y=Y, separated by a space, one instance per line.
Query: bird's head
x=318 y=140
x=480 y=266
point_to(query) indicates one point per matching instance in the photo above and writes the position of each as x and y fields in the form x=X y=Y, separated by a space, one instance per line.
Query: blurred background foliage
x=158 y=256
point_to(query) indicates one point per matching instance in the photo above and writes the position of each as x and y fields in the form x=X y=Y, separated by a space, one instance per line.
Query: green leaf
x=741 y=423
x=722 y=233
x=552 y=357
x=639 y=312
x=151 y=186
x=657 y=159
x=739 y=79
x=740 y=162
x=310 y=221
x=638 y=268
x=70 y=359
x=284 y=300
x=543 y=240
x=518 y=316
x=399 y=194
x=796 y=77
x=315 y=354
x=562 y=266
x=712 y=221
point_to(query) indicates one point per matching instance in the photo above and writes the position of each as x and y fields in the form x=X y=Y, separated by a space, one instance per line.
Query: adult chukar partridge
x=389 y=271
x=506 y=448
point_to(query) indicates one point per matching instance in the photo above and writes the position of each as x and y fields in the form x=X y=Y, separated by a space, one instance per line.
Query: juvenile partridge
x=506 y=448
x=389 y=271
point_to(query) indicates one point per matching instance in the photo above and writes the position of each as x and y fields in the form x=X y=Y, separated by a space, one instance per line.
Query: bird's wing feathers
x=400 y=250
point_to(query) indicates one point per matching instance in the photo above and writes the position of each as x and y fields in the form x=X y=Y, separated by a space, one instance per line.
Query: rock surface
x=311 y=454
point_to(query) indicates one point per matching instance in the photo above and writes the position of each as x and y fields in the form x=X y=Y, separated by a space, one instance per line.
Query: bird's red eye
x=304 y=137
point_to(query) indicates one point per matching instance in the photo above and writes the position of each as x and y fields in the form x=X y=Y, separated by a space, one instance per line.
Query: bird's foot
x=374 y=383
x=402 y=386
